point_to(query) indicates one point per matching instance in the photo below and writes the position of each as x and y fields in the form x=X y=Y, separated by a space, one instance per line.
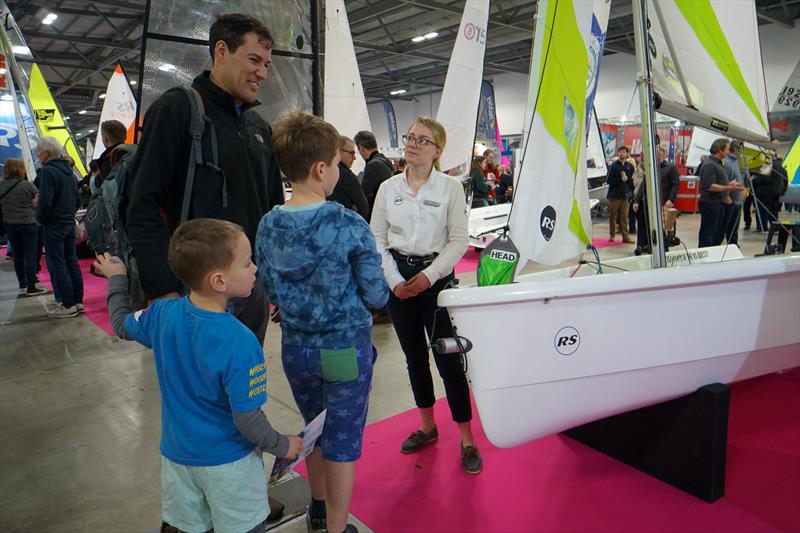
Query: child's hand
x=109 y=265
x=295 y=445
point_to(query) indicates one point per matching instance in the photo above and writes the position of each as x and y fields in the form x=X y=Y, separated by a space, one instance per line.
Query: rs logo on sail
x=548 y=222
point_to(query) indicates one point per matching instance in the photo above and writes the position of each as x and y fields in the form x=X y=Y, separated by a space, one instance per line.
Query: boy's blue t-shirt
x=320 y=265
x=209 y=365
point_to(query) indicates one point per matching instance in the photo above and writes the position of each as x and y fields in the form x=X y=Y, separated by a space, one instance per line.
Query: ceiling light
x=418 y=39
x=397 y=91
x=102 y=95
x=6 y=97
x=677 y=123
x=66 y=118
x=49 y=19
x=91 y=131
x=431 y=35
x=82 y=112
x=167 y=67
x=78 y=134
x=133 y=82
x=21 y=50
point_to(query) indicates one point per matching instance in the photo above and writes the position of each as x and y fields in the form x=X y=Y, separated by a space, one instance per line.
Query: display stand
x=681 y=442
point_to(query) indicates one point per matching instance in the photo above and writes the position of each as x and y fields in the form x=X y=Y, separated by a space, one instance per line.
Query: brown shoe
x=627 y=241
x=419 y=440
x=471 y=459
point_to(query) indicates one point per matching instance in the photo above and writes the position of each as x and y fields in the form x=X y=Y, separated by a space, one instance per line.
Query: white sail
x=550 y=220
x=89 y=152
x=344 y=103
x=458 y=108
x=120 y=105
x=706 y=62
x=595 y=155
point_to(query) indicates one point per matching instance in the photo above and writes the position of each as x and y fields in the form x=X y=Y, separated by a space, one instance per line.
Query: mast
x=644 y=82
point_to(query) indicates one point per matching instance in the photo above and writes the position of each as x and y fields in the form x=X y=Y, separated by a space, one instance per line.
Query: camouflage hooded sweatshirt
x=319 y=265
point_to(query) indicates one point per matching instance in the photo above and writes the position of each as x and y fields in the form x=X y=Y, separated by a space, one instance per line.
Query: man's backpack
x=105 y=215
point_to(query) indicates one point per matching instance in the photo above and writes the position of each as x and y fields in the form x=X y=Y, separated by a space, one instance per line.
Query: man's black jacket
x=616 y=187
x=377 y=170
x=348 y=192
x=250 y=175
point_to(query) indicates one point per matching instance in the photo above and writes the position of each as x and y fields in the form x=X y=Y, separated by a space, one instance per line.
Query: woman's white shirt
x=432 y=221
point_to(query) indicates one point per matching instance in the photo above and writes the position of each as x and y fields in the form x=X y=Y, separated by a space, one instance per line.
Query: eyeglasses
x=351 y=152
x=418 y=141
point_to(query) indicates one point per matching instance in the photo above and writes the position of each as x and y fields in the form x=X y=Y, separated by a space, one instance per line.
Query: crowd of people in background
x=489 y=183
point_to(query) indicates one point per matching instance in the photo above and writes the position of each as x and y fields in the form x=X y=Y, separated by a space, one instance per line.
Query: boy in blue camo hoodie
x=320 y=266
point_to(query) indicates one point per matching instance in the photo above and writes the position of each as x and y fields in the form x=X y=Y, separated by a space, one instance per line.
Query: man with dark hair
x=241 y=189
x=714 y=194
x=112 y=134
x=619 y=173
x=733 y=211
x=378 y=168
x=348 y=191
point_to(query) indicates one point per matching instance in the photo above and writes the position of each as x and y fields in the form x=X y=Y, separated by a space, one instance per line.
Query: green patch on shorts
x=339 y=365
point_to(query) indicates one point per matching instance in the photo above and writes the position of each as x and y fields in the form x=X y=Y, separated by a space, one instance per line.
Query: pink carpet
x=557 y=484
x=469 y=262
x=94 y=295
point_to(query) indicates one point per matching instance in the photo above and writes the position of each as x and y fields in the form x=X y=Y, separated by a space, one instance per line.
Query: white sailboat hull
x=570 y=351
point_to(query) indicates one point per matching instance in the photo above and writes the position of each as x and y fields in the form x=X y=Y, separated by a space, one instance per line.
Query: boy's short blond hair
x=300 y=140
x=200 y=246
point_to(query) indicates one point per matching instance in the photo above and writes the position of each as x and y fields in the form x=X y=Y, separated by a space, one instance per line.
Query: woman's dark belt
x=413 y=260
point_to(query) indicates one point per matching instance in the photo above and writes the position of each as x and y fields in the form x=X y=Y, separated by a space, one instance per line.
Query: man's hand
x=418 y=284
x=295 y=446
x=736 y=186
x=624 y=176
x=109 y=265
x=668 y=204
x=635 y=208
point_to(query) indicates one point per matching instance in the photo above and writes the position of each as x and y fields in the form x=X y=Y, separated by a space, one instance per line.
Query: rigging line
x=612 y=266
x=535 y=105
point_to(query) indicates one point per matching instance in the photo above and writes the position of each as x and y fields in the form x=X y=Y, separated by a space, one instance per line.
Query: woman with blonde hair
x=18 y=197
x=420 y=226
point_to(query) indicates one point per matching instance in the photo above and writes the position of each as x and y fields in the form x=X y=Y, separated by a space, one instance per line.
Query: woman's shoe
x=419 y=440
x=471 y=459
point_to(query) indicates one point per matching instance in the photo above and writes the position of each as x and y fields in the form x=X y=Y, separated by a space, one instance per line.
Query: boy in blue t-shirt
x=320 y=266
x=212 y=377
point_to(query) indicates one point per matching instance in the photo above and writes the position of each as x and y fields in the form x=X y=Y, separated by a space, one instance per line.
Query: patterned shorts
x=337 y=380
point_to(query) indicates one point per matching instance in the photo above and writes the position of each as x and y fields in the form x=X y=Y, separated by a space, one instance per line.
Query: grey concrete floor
x=80 y=413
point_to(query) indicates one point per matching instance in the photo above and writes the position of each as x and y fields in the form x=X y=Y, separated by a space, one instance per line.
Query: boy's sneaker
x=471 y=459
x=82 y=310
x=315 y=525
x=419 y=440
x=63 y=312
x=37 y=291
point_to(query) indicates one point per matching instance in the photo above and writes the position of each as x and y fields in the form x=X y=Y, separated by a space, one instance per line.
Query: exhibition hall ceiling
x=79 y=48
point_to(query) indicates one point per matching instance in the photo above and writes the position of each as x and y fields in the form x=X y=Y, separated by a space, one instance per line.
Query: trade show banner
x=391 y=122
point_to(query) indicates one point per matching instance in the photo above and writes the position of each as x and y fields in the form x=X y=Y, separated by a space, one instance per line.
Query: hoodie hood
x=60 y=165
x=300 y=238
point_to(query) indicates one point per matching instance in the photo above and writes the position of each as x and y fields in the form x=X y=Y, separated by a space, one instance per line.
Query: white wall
x=616 y=93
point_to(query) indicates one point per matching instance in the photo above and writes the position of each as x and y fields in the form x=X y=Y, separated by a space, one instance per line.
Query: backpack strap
x=199 y=121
